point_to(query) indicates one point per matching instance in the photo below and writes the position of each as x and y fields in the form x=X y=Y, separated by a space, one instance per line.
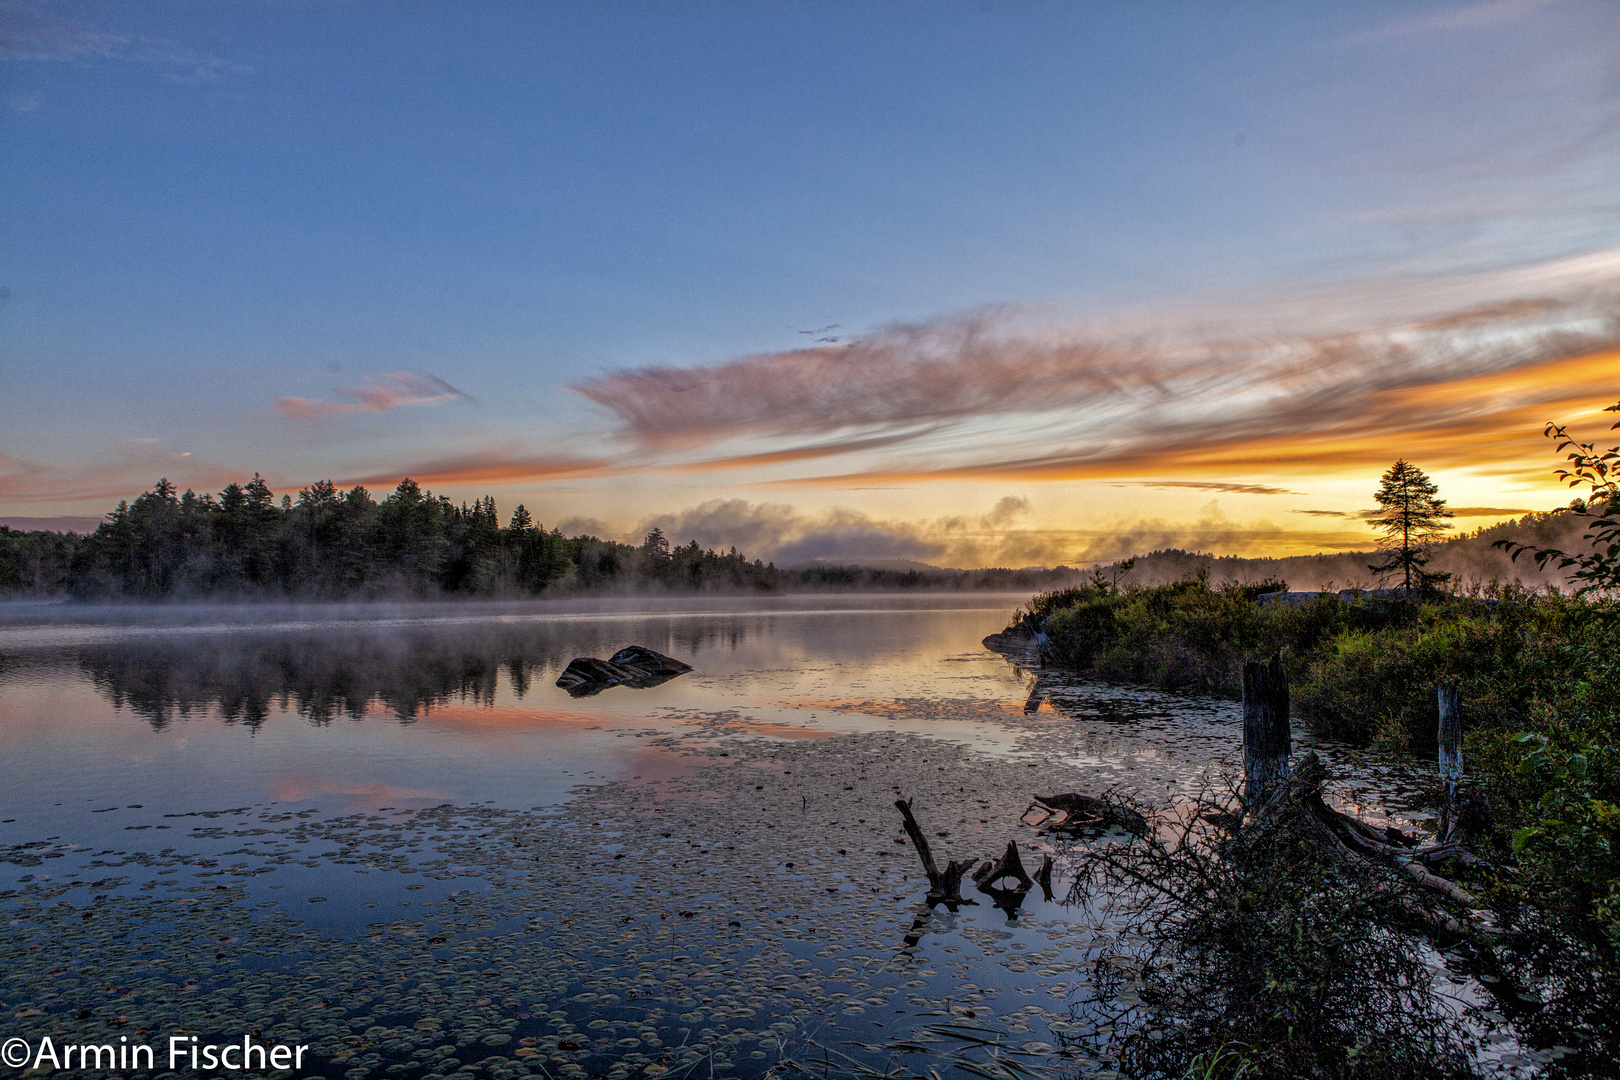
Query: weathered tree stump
x=1266 y=739
x=1451 y=764
x=1008 y=865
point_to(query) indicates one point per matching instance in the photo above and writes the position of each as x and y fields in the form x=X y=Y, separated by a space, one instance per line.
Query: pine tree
x=1411 y=517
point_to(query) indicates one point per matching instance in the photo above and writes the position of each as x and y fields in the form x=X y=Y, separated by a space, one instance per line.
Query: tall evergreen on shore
x=1411 y=516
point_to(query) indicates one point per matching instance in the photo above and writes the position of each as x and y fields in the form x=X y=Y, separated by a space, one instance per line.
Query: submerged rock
x=633 y=665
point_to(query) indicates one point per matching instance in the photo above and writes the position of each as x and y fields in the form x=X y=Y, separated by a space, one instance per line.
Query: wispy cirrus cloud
x=1455 y=19
x=800 y=453
x=128 y=467
x=1456 y=512
x=1214 y=485
x=508 y=463
x=905 y=376
x=379 y=393
x=1466 y=379
x=27 y=33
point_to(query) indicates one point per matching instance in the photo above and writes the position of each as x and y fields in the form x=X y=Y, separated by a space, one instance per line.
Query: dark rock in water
x=1017 y=638
x=633 y=665
x=1023 y=640
x=642 y=658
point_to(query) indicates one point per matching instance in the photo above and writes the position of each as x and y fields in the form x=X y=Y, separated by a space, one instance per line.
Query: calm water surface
x=386 y=833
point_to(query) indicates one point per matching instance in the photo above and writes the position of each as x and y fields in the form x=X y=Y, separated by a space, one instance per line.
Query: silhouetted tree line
x=332 y=543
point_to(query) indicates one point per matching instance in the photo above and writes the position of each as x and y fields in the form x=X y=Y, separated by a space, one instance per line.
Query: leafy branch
x=1597 y=571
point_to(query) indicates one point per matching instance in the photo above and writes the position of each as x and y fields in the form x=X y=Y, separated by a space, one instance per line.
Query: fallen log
x=1356 y=838
x=1084 y=810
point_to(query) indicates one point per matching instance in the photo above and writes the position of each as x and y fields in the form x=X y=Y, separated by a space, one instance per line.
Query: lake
x=384 y=833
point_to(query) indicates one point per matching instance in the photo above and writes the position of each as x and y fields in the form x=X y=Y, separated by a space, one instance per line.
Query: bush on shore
x=1539 y=677
x=1362 y=669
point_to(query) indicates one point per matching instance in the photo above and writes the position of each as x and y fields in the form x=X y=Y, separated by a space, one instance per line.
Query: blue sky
x=359 y=240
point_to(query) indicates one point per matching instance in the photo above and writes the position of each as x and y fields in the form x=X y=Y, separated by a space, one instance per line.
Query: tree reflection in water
x=328 y=674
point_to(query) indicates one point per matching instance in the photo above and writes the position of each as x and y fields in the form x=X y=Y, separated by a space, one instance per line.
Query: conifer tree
x=1411 y=517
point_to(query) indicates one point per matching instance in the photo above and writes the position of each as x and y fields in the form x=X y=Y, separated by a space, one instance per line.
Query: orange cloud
x=379 y=394
x=133 y=466
x=798 y=453
x=905 y=376
x=1215 y=485
x=1491 y=421
x=985 y=397
x=495 y=466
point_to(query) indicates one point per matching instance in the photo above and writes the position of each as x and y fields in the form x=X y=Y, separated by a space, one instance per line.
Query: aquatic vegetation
x=712 y=920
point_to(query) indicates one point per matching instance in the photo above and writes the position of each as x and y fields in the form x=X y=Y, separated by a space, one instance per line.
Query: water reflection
x=332 y=674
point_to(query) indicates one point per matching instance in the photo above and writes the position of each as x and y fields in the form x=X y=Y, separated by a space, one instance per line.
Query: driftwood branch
x=944 y=884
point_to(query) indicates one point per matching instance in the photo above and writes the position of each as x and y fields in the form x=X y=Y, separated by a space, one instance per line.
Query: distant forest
x=1469 y=558
x=329 y=543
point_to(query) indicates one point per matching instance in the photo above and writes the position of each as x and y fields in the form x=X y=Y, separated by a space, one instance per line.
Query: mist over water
x=166 y=705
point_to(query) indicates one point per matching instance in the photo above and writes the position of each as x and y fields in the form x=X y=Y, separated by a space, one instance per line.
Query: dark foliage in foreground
x=1257 y=946
x=1572 y=973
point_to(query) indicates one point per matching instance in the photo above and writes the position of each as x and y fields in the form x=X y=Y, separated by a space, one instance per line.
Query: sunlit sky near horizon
x=988 y=283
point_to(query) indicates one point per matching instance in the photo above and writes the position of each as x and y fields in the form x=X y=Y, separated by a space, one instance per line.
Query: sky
x=988 y=283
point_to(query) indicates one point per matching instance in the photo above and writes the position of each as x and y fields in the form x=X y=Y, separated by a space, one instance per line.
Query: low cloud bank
x=1000 y=536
